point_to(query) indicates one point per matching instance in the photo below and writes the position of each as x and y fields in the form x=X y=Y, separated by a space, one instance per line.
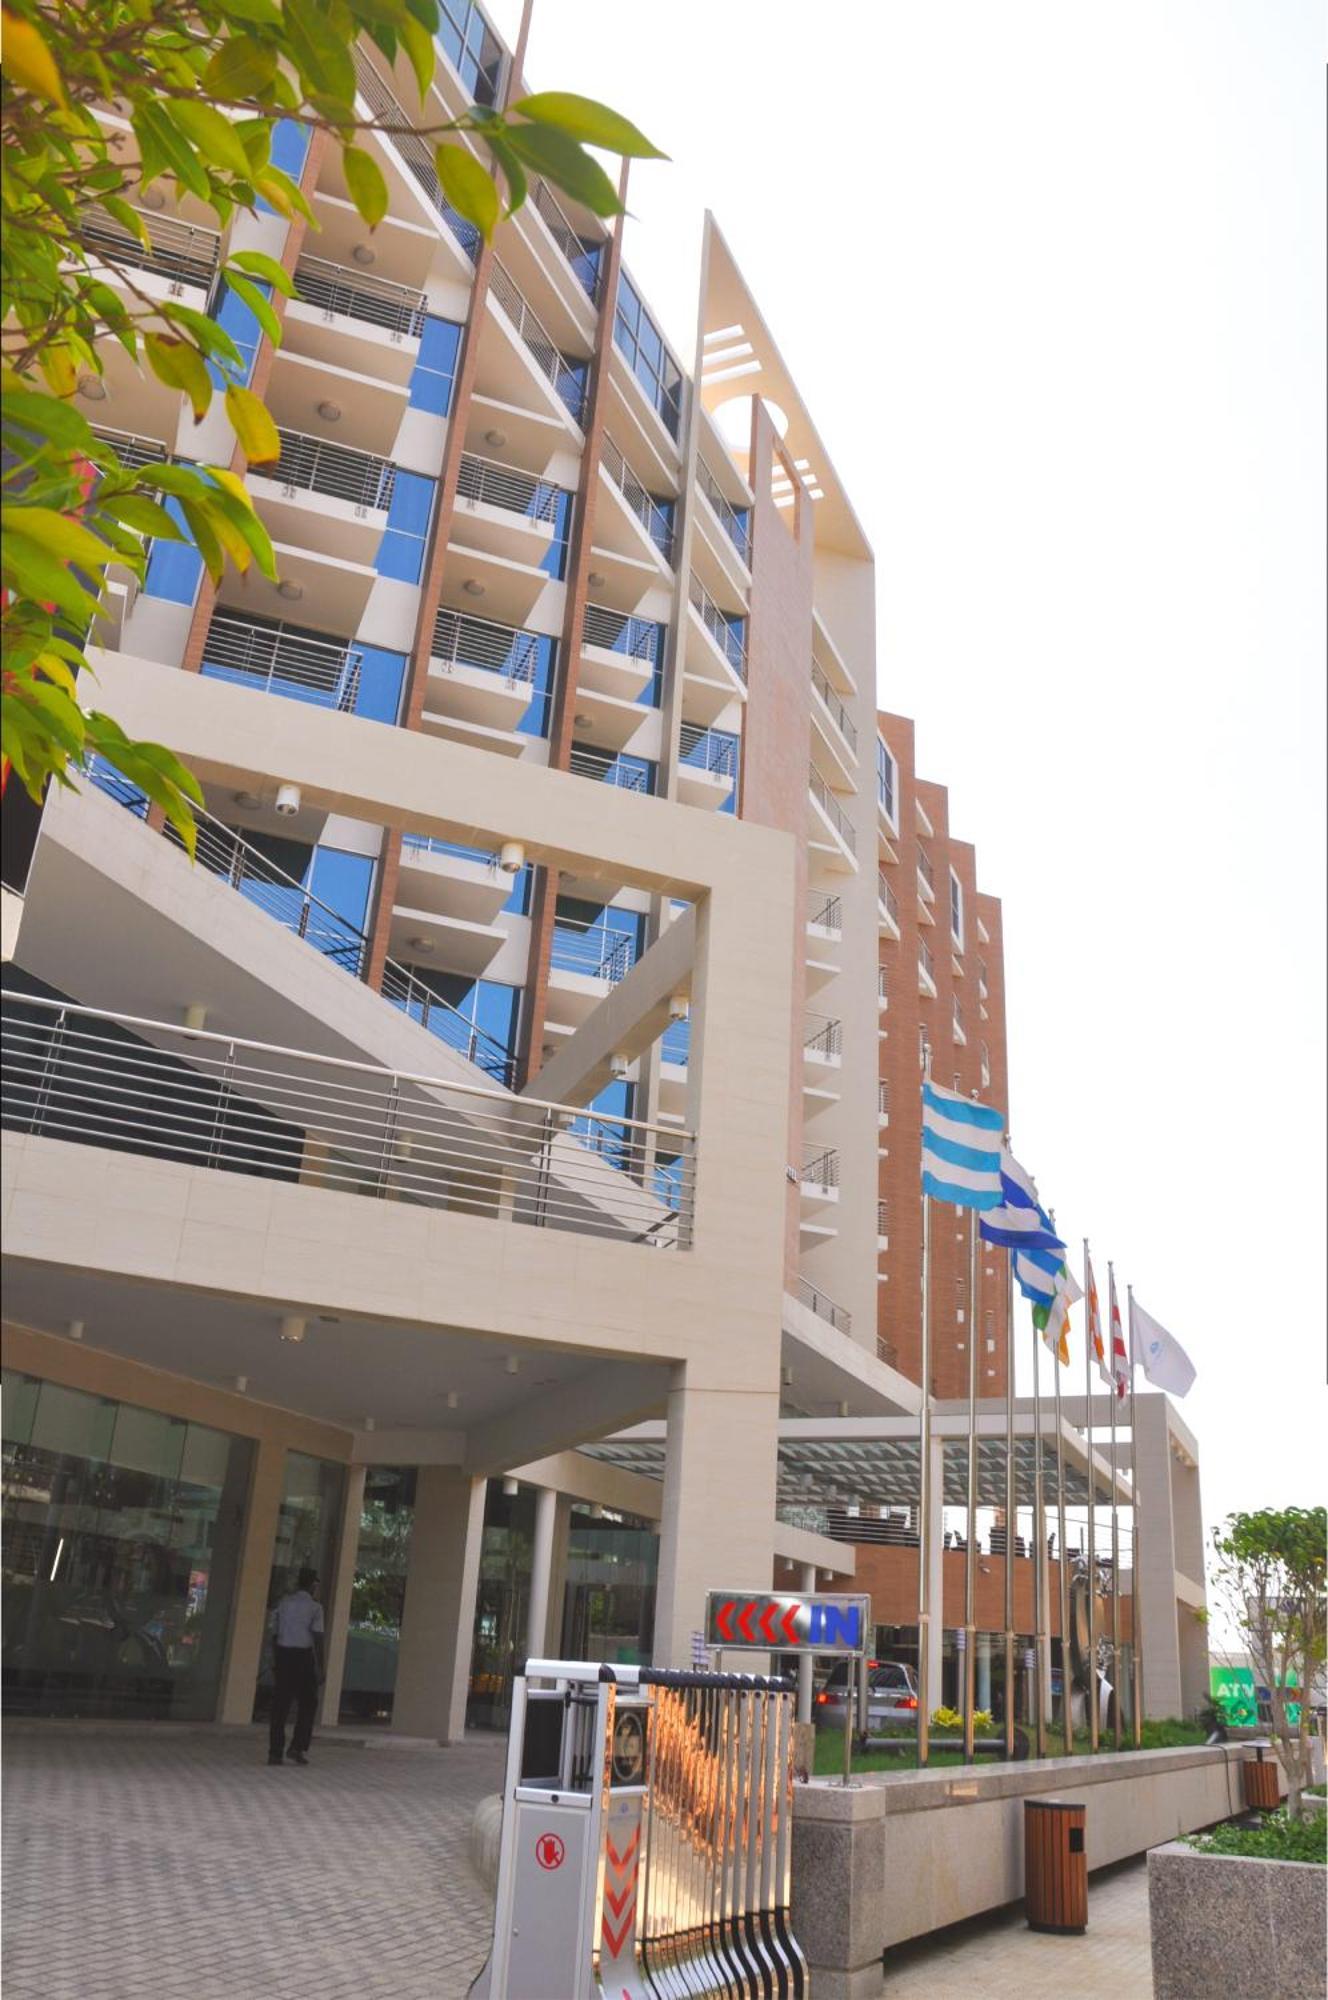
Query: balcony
x=834 y=725
x=131 y=450
x=565 y=379
x=194 y=1099
x=727 y=635
x=585 y=962
x=481 y=675
x=882 y=1225
x=654 y=523
x=620 y=655
x=887 y=905
x=347 y=519
x=415 y=154
x=324 y=672
x=447 y=903
x=507 y=515
x=624 y=774
x=823 y=1041
x=350 y=319
x=882 y=1105
x=926 y=874
x=737 y=524
x=829 y=828
x=926 y=970
x=825 y=918
x=184 y=255
x=585 y=256
x=818 y=1179
x=882 y=989
x=707 y=766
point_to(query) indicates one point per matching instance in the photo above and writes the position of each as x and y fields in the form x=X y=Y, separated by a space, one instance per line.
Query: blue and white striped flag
x=1019 y=1223
x=961 y=1148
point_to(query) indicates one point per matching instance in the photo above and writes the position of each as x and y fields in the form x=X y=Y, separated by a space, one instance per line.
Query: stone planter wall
x=899 y=1854
x=1247 y=1929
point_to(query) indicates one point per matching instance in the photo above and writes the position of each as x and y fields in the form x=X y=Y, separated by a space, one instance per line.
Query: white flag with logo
x=1160 y=1355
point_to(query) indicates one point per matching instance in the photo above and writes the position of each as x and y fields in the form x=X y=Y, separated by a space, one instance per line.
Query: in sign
x=549 y=1851
x=808 y=1623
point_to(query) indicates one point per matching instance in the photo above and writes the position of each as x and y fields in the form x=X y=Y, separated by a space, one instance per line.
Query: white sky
x=1051 y=281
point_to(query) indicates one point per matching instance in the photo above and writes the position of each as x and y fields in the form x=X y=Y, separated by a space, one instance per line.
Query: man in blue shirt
x=296 y=1626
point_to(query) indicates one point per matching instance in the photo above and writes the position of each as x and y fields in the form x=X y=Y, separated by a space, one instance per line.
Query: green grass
x=1168 y=1733
x=1277 y=1839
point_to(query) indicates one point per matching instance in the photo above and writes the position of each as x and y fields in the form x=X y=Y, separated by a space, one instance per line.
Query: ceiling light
x=511 y=857
x=92 y=389
x=473 y=587
x=596 y=579
x=195 y=1017
x=292 y=592
x=496 y=438
x=76 y=1329
x=453 y=1399
x=249 y=800
x=420 y=943
x=242 y=1383
x=512 y=1365
x=292 y=1328
x=362 y=254
x=679 y=1006
x=368 y=1423
x=330 y=412
x=511 y=1487
x=152 y=198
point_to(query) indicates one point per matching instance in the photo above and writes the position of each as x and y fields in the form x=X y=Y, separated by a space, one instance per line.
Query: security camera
x=288 y=800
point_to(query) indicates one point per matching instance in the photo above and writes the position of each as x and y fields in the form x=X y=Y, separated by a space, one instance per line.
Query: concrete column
x=553 y=1630
x=337 y=1594
x=1155 y=1559
x=438 y=1617
x=718 y=1517
x=249 y=1620
x=805 y=1664
x=541 y=1570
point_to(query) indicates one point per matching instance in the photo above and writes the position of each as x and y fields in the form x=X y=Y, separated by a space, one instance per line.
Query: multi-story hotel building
x=532 y=1053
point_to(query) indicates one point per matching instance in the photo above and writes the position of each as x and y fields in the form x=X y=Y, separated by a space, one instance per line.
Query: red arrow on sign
x=787 y=1621
x=764 y=1621
x=745 y=1617
x=724 y=1619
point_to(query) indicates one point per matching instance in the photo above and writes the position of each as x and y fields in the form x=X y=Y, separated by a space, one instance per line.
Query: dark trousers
x=295 y=1681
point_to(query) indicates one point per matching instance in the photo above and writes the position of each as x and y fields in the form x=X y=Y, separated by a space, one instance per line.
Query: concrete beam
x=626 y=1022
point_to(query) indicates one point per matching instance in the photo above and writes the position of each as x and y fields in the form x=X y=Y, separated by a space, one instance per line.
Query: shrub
x=1279 y=1838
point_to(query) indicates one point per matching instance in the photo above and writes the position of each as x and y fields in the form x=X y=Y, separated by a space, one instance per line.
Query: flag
x=1044 y=1279
x=1095 y=1322
x=1019 y=1223
x=1160 y=1355
x=961 y=1148
x=1120 y=1360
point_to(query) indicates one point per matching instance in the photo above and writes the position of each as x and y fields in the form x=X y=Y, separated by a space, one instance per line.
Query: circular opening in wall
x=733 y=420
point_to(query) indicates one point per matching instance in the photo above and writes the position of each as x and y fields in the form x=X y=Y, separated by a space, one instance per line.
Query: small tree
x=1270 y=1567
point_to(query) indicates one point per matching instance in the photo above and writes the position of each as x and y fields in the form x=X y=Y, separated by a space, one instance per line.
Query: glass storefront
x=501 y=1604
x=609 y=1605
x=308 y=1527
x=379 y=1594
x=121 y=1542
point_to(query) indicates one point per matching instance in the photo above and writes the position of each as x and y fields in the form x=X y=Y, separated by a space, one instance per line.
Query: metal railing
x=957 y=1018
x=325 y=672
x=430 y=843
x=184 y=252
x=587 y=262
x=675 y=1044
x=462 y=641
x=359 y=295
x=926 y=963
x=231 y=860
x=736 y=525
x=882 y=987
x=414 y=152
x=821 y=1168
x=539 y=344
x=620 y=632
x=886 y=896
x=595 y=951
x=713 y=750
x=608 y=770
x=731 y=639
x=823 y=1037
x=882 y=1218
x=207 y=1100
x=925 y=869
x=313 y=465
x=823 y=1306
x=882 y=1099
x=646 y=508
x=830 y=806
x=498 y=485
x=839 y=715
x=827 y=915
x=131 y=450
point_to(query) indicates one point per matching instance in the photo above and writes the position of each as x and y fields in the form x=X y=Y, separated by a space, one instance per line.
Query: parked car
x=892 y=1696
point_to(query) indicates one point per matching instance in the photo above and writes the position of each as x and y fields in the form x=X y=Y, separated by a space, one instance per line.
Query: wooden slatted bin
x=1055 y=1866
x=1259 y=1778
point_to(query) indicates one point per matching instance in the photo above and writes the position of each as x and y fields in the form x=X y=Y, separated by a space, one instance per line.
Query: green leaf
x=28 y=62
x=513 y=171
x=268 y=268
x=31 y=571
x=141 y=514
x=419 y=47
x=562 y=161
x=200 y=527
x=364 y=179
x=258 y=303
x=152 y=121
x=241 y=67
x=278 y=188
x=214 y=136
x=586 y=120
x=468 y=186
x=62 y=717
x=57 y=533
x=48 y=416
x=128 y=218
x=260 y=12
x=320 y=54
x=181 y=367
x=252 y=426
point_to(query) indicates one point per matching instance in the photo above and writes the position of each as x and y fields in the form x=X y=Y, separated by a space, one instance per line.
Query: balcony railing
x=882 y=987
x=133 y=451
x=539 y=344
x=325 y=672
x=886 y=896
x=883 y=1101
x=925 y=868
x=199 y=1099
x=314 y=465
x=821 y=1168
x=736 y=525
x=882 y=1218
x=926 y=963
x=713 y=750
x=462 y=641
x=608 y=771
x=730 y=638
x=498 y=485
x=599 y=953
x=823 y=1306
x=619 y=632
x=231 y=860
x=359 y=295
x=646 y=509
x=839 y=715
x=827 y=915
x=675 y=1044
x=184 y=252
x=823 y=1037
x=415 y=152
x=830 y=806
x=586 y=260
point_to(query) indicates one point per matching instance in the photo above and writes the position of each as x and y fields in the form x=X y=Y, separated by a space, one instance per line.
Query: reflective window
x=473 y=49
x=502 y=1603
x=308 y=1531
x=535 y=721
x=887 y=775
x=236 y=318
x=401 y=551
x=290 y=149
x=343 y=882
x=555 y=562
x=609 y=1596
x=435 y=371
x=487 y=1004
x=174 y=568
x=378 y=1595
x=639 y=341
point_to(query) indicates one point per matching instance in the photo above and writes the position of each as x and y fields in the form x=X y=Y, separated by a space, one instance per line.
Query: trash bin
x=1259 y=1781
x=1055 y=1866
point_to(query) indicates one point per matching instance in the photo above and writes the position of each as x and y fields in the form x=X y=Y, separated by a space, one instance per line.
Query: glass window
x=382 y=677
x=486 y=1003
x=886 y=781
x=638 y=340
x=502 y=1603
x=290 y=146
x=956 y=909
x=401 y=551
x=378 y=1594
x=435 y=372
x=536 y=720
x=174 y=568
x=473 y=49
x=555 y=562
x=523 y=888
x=231 y=313
x=609 y=1596
x=308 y=1531
x=342 y=881
x=121 y=1543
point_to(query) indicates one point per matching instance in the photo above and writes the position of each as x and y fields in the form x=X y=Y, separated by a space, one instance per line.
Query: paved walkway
x=999 y=1958
x=172 y=1864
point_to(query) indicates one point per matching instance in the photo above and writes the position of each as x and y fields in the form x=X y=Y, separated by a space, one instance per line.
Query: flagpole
x=1136 y=1622
x=1062 y=1573
x=1040 y=1646
x=1092 y=1518
x=924 y=1475
x=971 y=1525
x=1115 y=1526
x=1010 y=1500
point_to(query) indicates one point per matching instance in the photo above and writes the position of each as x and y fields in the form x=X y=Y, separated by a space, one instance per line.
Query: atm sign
x=739 y=1621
